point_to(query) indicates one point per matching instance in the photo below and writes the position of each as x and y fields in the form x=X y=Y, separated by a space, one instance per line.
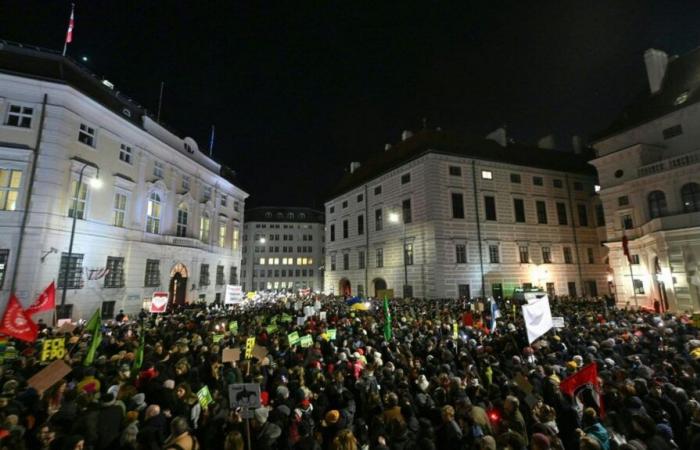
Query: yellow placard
x=388 y=293
x=53 y=349
x=249 y=345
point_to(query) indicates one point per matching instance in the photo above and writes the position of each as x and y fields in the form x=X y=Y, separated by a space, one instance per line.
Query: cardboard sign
x=558 y=322
x=293 y=338
x=66 y=327
x=49 y=375
x=331 y=334
x=249 y=344
x=244 y=395
x=233 y=326
x=259 y=352
x=233 y=295
x=53 y=349
x=159 y=302
x=204 y=397
x=306 y=341
x=231 y=355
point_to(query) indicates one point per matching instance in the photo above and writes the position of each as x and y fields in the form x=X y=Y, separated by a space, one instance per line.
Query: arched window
x=204 y=228
x=182 y=213
x=290 y=215
x=690 y=196
x=153 y=213
x=657 y=204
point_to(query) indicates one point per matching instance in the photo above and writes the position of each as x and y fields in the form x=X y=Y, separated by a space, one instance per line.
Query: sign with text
x=293 y=338
x=53 y=349
x=249 y=345
x=159 y=302
x=306 y=341
x=234 y=294
x=204 y=397
x=558 y=322
x=244 y=395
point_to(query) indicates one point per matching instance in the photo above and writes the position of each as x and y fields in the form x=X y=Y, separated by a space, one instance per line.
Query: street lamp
x=95 y=183
x=262 y=240
x=395 y=217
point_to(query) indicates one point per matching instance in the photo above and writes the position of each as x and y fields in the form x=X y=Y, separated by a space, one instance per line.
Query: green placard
x=306 y=341
x=293 y=338
x=217 y=337
x=271 y=328
x=286 y=318
x=233 y=326
x=204 y=397
x=331 y=334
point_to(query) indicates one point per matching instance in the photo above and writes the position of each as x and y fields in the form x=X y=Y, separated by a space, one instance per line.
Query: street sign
x=245 y=395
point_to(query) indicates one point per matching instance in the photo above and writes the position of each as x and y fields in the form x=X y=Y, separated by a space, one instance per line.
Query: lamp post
x=395 y=217
x=95 y=183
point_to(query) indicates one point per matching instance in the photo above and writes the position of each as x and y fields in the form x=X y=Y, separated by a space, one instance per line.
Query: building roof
x=461 y=145
x=682 y=77
x=284 y=214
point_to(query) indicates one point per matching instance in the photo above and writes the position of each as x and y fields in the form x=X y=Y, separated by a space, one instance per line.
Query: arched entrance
x=178 y=284
x=379 y=285
x=344 y=287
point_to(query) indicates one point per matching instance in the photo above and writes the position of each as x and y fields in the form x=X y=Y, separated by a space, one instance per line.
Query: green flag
x=94 y=322
x=94 y=343
x=138 y=357
x=387 y=320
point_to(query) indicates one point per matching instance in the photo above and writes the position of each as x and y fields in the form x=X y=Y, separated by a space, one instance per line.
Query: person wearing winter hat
x=540 y=442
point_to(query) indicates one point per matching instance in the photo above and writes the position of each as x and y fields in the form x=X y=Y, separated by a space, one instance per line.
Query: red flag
x=587 y=377
x=44 y=302
x=16 y=323
x=626 y=248
x=71 y=23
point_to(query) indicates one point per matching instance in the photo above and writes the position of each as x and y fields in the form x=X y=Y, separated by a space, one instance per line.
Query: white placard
x=159 y=302
x=558 y=322
x=234 y=294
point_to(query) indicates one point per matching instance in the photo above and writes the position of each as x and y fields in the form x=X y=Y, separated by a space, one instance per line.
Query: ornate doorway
x=178 y=284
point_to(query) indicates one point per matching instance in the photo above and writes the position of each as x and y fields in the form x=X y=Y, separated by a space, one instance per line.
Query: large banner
x=159 y=302
x=234 y=294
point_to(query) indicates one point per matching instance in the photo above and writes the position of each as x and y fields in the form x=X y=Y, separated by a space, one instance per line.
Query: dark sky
x=297 y=90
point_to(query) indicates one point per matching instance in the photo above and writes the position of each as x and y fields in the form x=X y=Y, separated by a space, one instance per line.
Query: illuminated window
x=204 y=228
x=222 y=234
x=81 y=200
x=119 y=211
x=487 y=175
x=10 y=181
x=153 y=213
x=262 y=261
x=182 y=213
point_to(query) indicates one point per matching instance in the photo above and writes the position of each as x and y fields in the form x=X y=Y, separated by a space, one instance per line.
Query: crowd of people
x=441 y=377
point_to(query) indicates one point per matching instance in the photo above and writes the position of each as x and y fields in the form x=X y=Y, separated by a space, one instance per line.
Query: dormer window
x=188 y=148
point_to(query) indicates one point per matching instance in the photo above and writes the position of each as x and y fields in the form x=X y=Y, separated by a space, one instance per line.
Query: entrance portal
x=344 y=287
x=379 y=285
x=178 y=284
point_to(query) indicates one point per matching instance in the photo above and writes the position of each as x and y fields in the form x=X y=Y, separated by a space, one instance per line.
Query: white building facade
x=283 y=249
x=164 y=218
x=441 y=217
x=648 y=163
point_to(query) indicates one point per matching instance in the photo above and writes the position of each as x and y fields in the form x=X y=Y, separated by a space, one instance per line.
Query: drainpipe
x=478 y=232
x=366 y=243
x=27 y=200
x=573 y=228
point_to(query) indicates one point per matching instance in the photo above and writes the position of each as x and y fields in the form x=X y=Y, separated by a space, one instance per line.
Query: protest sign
x=231 y=355
x=49 y=375
x=159 y=302
x=204 y=397
x=233 y=326
x=53 y=349
x=233 y=295
x=306 y=341
x=249 y=344
x=293 y=338
x=331 y=334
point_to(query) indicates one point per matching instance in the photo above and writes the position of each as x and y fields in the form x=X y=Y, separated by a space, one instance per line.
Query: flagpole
x=634 y=291
x=69 y=35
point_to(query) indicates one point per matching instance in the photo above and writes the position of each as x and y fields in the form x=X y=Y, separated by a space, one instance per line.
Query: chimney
x=499 y=136
x=577 y=144
x=406 y=134
x=387 y=147
x=547 y=142
x=656 y=62
x=354 y=166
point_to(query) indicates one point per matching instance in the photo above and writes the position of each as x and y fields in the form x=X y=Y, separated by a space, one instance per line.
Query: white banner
x=538 y=318
x=234 y=294
x=159 y=302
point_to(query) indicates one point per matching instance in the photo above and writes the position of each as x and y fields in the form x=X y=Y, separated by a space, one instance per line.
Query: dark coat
x=109 y=424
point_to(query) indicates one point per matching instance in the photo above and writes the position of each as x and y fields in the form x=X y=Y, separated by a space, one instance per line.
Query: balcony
x=665 y=223
x=669 y=164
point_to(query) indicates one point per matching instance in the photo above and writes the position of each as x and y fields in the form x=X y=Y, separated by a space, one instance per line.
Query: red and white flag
x=626 y=248
x=17 y=323
x=584 y=380
x=71 y=23
x=44 y=302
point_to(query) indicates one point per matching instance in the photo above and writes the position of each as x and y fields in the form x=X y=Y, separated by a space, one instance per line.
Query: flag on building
x=71 y=24
x=626 y=248
x=495 y=314
x=17 y=323
x=387 y=320
x=94 y=326
x=576 y=384
x=538 y=318
x=46 y=301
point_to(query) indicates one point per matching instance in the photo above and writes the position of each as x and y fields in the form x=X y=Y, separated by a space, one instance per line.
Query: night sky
x=297 y=90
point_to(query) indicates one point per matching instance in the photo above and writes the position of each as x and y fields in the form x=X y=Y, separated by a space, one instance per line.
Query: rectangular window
x=115 y=272
x=524 y=254
x=380 y=257
x=360 y=260
x=331 y=210
x=346 y=261
x=406 y=178
x=582 y=215
x=345 y=204
x=519 y=210
x=125 y=153
x=623 y=200
x=224 y=200
x=20 y=116
x=158 y=169
x=408 y=253
x=627 y=223
x=345 y=229
x=494 y=256
x=487 y=175
x=406 y=209
x=86 y=135
x=638 y=286
x=463 y=291
x=538 y=181
x=119 y=211
x=557 y=183
x=561 y=214
x=360 y=198
x=72 y=269
x=673 y=131
x=206 y=193
x=360 y=224
x=515 y=178
x=634 y=259
x=4 y=259
x=10 y=181
x=378 y=219
x=235 y=238
x=332 y=263
x=332 y=237
x=541 y=212
x=378 y=190
x=490 y=207
x=108 y=310
x=568 y=258
x=457 y=206
x=220 y=278
x=455 y=171
x=185 y=183
x=204 y=274
x=152 y=278
x=461 y=254
x=550 y=290
x=599 y=215
x=222 y=234
x=571 y=285
x=578 y=186
x=236 y=206
x=546 y=255
x=233 y=275
x=591 y=258
x=81 y=200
